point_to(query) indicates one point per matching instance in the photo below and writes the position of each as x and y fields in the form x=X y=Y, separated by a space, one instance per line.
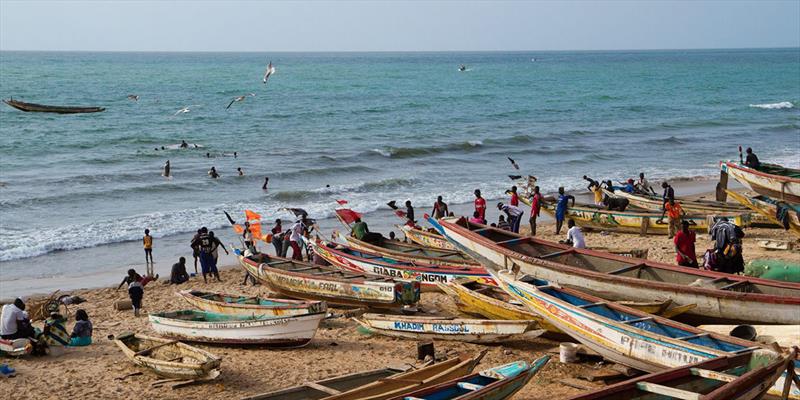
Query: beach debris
x=126 y=376
x=238 y=99
x=268 y=72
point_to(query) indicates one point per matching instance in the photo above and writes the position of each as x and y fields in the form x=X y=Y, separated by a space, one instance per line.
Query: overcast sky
x=392 y=26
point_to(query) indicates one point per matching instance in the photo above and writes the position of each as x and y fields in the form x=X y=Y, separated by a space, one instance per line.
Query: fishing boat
x=772 y=180
x=622 y=334
x=250 y=305
x=425 y=238
x=719 y=298
x=788 y=217
x=321 y=389
x=32 y=107
x=207 y=327
x=456 y=329
x=428 y=275
x=301 y=280
x=742 y=377
x=411 y=252
x=413 y=380
x=168 y=358
x=656 y=203
x=643 y=222
x=496 y=383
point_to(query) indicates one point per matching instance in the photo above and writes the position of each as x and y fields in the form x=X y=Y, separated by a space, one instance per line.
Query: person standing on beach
x=514 y=197
x=439 y=209
x=669 y=193
x=295 y=238
x=205 y=245
x=536 y=207
x=178 y=273
x=684 y=246
x=136 y=284
x=266 y=182
x=277 y=237
x=195 y=249
x=561 y=208
x=480 y=206
x=166 y=169
x=674 y=212
x=514 y=214
x=147 y=242
x=410 y=221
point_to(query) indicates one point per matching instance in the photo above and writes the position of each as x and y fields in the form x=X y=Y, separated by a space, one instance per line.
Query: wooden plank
x=667 y=391
x=717 y=376
x=322 y=388
x=626 y=269
x=556 y=254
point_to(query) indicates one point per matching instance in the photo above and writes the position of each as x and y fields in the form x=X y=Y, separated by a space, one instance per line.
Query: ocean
x=78 y=190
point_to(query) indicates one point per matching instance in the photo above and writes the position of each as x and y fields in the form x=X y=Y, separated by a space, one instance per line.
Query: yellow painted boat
x=768 y=208
x=425 y=238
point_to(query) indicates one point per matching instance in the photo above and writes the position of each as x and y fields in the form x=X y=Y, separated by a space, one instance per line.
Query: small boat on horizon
x=33 y=107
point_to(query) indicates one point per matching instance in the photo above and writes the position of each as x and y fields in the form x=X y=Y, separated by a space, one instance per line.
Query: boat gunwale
x=735 y=165
x=395 y=253
x=290 y=304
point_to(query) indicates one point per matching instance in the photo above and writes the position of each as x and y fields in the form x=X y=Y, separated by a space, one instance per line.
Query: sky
x=395 y=26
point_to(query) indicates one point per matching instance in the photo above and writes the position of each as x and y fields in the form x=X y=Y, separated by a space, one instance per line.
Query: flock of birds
x=269 y=71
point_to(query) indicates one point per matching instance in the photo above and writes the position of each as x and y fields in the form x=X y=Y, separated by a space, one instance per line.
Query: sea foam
x=773 y=106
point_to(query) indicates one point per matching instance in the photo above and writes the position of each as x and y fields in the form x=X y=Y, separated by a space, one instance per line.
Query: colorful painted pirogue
x=656 y=203
x=412 y=252
x=463 y=330
x=425 y=238
x=207 y=327
x=719 y=298
x=428 y=275
x=781 y=213
x=496 y=383
x=775 y=181
x=741 y=377
x=301 y=280
x=250 y=305
x=622 y=334
x=649 y=222
x=168 y=358
x=318 y=390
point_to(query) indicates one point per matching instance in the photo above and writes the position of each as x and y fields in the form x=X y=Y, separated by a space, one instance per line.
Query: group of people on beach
x=52 y=337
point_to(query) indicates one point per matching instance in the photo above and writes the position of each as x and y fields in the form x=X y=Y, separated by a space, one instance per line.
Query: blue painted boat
x=496 y=383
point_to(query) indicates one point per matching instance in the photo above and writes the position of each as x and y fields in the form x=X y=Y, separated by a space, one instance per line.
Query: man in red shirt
x=480 y=205
x=536 y=206
x=514 y=197
x=684 y=246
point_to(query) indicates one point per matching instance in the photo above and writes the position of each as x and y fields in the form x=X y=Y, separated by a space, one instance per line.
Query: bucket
x=568 y=352
x=122 y=305
x=745 y=332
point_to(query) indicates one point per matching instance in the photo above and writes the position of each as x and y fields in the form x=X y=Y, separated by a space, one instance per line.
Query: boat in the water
x=33 y=107
x=428 y=275
x=496 y=383
x=300 y=280
x=642 y=222
x=250 y=305
x=772 y=180
x=781 y=213
x=412 y=252
x=622 y=334
x=207 y=327
x=168 y=358
x=719 y=297
x=455 y=329
x=425 y=238
x=742 y=377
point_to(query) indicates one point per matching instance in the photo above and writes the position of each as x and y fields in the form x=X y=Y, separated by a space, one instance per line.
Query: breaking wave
x=773 y=106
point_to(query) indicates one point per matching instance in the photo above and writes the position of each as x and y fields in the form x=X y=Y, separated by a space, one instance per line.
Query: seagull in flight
x=268 y=72
x=186 y=109
x=238 y=99
x=134 y=97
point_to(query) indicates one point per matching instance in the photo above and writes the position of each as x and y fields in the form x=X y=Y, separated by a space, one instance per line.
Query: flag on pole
x=347 y=215
x=252 y=215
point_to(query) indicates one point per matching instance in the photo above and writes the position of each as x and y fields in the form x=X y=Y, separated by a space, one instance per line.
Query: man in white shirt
x=514 y=214
x=10 y=319
x=575 y=236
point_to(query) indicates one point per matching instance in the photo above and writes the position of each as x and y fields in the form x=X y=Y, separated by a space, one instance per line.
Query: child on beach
x=136 y=285
x=147 y=241
x=82 y=331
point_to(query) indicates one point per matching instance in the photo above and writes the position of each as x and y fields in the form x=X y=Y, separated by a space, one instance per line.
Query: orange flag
x=251 y=215
x=238 y=229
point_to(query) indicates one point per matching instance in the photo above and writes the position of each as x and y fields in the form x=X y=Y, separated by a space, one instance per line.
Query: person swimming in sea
x=166 y=173
x=266 y=182
x=462 y=67
x=213 y=173
x=184 y=144
x=239 y=170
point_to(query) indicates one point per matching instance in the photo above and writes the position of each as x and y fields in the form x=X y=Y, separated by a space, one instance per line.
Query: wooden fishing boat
x=32 y=107
x=427 y=275
x=643 y=222
x=719 y=298
x=321 y=389
x=412 y=252
x=250 y=305
x=413 y=380
x=656 y=203
x=775 y=181
x=496 y=383
x=494 y=303
x=168 y=358
x=301 y=280
x=768 y=208
x=425 y=238
x=207 y=327
x=462 y=330
x=623 y=334
x=741 y=377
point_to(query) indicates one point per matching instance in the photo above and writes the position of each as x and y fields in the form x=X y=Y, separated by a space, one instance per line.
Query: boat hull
x=293 y=331
x=775 y=186
x=279 y=307
x=424 y=238
x=768 y=208
x=471 y=331
x=33 y=107
x=415 y=253
x=203 y=366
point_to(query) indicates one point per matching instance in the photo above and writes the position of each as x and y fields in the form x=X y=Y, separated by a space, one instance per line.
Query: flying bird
x=185 y=109
x=268 y=72
x=238 y=99
x=514 y=163
x=134 y=97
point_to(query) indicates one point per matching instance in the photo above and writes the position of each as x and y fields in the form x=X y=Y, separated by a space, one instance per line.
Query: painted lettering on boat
x=409 y=326
x=422 y=277
x=437 y=328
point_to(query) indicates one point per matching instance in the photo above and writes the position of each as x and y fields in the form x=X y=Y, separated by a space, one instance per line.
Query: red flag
x=400 y=213
x=341 y=202
x=251 y=215
x=347 y=215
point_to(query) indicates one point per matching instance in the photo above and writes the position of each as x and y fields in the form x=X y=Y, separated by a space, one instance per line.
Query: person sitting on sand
x=82 y=331
x=684 y=246
x=213 y=173
x=561 y=208
x=14 y=321
x=136 y=284
x=178 y=274
x=502 y=224
x=55 y=334
x=752 y=160
x=575 y=235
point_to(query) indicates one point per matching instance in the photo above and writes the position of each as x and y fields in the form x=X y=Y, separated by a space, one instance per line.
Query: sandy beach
x=339 y=347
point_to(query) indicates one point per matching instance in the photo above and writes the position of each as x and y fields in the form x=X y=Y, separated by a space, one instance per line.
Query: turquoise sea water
x=373 y=126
